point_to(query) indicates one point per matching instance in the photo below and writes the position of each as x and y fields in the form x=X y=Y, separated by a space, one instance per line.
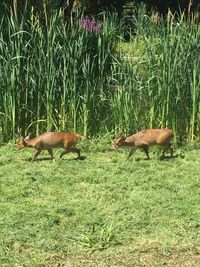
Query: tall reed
x=55 y=77
x=52 y=75
x=167 y=87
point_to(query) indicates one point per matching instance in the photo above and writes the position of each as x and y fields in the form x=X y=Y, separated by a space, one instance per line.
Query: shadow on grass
x=138 y=159
x=171 y=158
x=162 y=158
x=39 y=159
x=50 y=159
x=81 y=158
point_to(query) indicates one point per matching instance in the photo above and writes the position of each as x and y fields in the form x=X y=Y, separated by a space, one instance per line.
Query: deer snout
x=114 y=146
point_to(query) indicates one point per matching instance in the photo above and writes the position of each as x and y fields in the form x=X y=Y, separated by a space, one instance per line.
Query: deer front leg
x=63 y=153
x=131 y=152
x=35 y=156
x=51 y=153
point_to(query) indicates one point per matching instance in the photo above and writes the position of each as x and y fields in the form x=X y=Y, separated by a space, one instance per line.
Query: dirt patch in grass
x=151 y=259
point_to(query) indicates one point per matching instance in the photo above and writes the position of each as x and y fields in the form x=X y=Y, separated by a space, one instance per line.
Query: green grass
x=101 y=211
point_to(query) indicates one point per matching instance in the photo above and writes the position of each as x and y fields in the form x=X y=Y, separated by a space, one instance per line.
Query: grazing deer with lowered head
x=145 y=139
x=50 y=140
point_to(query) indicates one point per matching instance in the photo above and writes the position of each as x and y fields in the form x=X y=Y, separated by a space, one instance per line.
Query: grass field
x=101 y=211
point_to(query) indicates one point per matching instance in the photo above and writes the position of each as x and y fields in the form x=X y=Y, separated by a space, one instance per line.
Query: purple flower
x=97 y=28
x=91 y=25
x=84 y=22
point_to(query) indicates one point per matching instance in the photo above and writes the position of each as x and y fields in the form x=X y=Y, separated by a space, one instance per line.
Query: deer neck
x=129 y=141
x=30 y=143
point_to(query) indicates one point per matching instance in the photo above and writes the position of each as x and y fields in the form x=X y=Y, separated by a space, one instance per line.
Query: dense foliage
x=96 y=6
x=80 y=79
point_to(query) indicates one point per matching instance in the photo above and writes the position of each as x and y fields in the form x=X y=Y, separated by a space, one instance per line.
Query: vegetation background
x=57 y=75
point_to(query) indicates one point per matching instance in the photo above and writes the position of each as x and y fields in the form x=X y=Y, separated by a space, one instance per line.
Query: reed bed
x=56 y=77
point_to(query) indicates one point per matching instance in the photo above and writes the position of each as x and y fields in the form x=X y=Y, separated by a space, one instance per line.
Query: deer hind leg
x=36 y=154
x=76 y=150
x=168 y=147
x=64 y=152
x=73 y=149
x=146 y=150
x=171 y=151
x=51 y=153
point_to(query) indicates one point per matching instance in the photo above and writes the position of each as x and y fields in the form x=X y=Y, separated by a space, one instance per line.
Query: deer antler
x=20 y=132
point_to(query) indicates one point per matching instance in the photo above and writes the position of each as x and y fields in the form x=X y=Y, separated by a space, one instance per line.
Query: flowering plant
x=91 y=25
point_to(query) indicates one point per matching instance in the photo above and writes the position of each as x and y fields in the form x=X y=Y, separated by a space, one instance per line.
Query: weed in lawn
x=99 y=237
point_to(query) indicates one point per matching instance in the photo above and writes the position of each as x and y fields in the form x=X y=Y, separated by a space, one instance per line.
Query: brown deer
x=145 y=139
x=50 y=140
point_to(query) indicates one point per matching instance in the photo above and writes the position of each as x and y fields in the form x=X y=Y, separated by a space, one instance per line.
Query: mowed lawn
x=101 y=211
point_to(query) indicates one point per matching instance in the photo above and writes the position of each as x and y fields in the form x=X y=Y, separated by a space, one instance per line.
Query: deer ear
x=24 y=142
x=27 y=138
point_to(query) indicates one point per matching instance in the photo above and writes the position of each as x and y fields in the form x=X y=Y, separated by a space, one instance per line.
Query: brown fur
x=50 y=140
x=146 y=138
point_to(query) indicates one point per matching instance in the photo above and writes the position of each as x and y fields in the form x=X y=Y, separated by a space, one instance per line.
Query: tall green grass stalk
x=57 y=77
